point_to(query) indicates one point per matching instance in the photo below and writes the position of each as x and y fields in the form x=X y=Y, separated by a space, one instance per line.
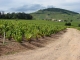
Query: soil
x=11 y=46
x=61 y=46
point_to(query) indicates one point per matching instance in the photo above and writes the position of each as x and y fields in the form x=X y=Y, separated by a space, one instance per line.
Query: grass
x=35 y=21
x=74 y=23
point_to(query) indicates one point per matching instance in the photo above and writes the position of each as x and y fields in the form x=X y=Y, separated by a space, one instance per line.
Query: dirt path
x=66 y=47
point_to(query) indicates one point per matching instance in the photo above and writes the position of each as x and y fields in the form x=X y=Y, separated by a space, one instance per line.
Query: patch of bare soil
x=12 y=46
x=65 y=47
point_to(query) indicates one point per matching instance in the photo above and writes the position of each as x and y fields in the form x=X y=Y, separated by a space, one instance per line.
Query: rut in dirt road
x=66 y=47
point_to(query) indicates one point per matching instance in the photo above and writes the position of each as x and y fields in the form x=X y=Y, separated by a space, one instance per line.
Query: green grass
x=34 y=21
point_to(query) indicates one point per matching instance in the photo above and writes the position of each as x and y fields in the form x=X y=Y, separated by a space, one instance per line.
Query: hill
x=55 y=13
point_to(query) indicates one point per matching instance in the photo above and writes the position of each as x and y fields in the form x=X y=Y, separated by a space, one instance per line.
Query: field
x=28 y=29
x=16 y=35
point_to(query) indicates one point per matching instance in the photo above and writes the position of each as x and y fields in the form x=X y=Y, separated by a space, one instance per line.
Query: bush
x=68 y=24
x=78 y=25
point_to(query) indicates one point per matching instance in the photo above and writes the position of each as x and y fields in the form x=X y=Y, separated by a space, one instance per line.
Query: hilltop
x=55 y=13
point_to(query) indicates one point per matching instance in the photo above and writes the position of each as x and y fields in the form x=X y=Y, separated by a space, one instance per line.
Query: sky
x=29 y=6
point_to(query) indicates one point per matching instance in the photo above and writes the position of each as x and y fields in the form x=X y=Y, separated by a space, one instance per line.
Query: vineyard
x=26 y=30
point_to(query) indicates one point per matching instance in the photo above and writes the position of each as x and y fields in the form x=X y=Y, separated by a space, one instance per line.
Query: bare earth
x=66 y=47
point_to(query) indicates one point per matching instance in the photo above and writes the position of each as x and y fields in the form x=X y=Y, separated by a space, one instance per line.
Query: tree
x=71 y=20
x=0 y=14
x=15 y=16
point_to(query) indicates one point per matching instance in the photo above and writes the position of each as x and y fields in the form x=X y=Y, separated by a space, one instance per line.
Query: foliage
x=15 y=16
x=79 y=25
x=68 y=24
x=60 y=10
x=35 y=29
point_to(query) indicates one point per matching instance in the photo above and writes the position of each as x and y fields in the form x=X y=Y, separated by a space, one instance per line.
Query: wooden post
x=4 y=38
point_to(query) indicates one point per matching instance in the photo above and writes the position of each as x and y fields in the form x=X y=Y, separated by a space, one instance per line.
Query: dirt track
x=66 y=47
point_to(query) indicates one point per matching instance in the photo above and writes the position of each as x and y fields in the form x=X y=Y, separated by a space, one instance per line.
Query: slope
x=55 y=13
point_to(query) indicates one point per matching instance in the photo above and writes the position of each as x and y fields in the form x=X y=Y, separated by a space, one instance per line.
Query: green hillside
x=56 y=13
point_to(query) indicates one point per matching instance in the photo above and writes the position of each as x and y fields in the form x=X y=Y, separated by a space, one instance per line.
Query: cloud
x=72 y=1
x=28 y=8
x=33 y=5
x=71 y=6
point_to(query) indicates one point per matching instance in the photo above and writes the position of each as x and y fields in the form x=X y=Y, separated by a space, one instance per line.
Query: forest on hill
x=55 y=13
x=60 y=10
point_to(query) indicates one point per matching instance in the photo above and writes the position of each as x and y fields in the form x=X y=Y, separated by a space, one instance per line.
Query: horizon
x=34 y=11
x=28 y=7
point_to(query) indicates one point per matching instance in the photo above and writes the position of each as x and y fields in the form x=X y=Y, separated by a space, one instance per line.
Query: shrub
x=78 y=25
x=68 y=24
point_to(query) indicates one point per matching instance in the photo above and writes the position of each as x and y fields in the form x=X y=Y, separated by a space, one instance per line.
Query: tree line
x=60 y=10
x=15 y=15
